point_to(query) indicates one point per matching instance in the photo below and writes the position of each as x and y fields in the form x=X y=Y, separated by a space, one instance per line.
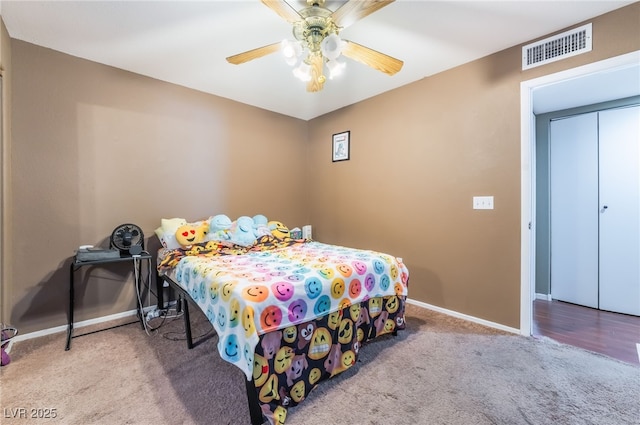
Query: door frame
x=527 y=171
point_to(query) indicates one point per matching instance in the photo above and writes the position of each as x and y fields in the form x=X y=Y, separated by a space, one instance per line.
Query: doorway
x=563 y=90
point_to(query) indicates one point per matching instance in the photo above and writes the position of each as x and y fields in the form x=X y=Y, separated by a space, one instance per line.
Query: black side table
x=136 y=261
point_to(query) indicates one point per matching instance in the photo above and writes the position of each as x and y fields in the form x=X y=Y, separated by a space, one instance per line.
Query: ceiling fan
x=316 y=29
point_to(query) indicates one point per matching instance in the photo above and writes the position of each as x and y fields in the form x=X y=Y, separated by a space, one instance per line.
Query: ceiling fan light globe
x=335 y=67
x=291 y=61
x=291 y=51
x=331 y=46
x=303 y=72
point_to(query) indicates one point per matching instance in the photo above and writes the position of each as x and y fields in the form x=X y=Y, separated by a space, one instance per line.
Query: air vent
x=560 y=46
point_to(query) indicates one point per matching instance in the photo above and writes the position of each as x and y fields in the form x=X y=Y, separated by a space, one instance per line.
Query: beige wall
x=95 y=147
x=418 y=156
x=5 y=173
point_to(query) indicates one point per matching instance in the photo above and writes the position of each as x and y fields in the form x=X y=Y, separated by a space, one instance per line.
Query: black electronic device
x=89 y=253
x=128 y=239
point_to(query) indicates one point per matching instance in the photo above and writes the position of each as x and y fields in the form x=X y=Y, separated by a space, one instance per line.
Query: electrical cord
x=136 y=269
x=148 y=327
x=140 y=282
x=168 y=314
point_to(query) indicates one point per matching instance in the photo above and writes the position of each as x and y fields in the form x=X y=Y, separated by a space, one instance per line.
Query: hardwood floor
x=613 y=334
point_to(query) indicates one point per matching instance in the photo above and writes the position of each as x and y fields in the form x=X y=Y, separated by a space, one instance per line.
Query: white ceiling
x=186 y=42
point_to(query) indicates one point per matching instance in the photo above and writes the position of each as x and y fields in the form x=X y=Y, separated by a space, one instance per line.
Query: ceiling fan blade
x=316 y=83
x=283 y=9
x=372 y=58
x=354 y=10
x=253 y=54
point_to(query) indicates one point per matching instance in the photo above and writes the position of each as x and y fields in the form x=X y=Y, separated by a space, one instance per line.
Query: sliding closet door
x=619 y=136
x=574 y=209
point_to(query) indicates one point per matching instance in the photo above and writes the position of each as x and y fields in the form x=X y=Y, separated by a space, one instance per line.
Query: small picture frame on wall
x=340 y=150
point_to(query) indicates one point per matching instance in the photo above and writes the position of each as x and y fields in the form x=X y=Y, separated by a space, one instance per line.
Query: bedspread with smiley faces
x=292 y=314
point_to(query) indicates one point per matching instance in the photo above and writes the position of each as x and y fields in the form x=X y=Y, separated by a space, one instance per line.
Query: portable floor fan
x=128 y=238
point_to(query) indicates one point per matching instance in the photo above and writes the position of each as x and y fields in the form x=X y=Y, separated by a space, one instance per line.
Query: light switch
x=483 y=202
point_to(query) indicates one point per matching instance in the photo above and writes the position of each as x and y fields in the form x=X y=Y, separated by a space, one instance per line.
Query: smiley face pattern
x=272 y=288
x=289 y=363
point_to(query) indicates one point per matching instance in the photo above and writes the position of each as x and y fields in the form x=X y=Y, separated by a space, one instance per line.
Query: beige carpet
x=440 y=370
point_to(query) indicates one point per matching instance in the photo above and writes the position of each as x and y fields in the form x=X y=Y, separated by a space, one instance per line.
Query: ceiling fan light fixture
x=303 y=71
x=317 y=44
x=331 y=47
x=291 y=51
x=335 y=68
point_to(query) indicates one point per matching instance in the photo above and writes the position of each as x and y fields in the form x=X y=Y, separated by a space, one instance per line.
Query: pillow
x=278 y=229
x=261 y=225
x=191 y=233
x=242 y=232
x=219 y=228
x=171 y=224
x=260 y=220
x=167 y=231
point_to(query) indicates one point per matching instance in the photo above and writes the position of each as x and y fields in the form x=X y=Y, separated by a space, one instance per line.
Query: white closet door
x=619 y=133
x=574 y=209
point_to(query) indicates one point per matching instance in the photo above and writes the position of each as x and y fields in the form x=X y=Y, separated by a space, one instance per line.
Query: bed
x=290 y=313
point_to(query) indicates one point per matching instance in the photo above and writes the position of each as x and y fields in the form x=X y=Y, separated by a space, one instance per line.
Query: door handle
x=604 y=208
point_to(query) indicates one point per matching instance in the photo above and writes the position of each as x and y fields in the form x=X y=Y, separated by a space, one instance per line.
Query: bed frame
x=183 y=304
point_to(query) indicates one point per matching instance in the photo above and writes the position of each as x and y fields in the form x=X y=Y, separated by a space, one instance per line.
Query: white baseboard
x=116 y=316
x=77 y=325
x=464 y=316
x=546 y=297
